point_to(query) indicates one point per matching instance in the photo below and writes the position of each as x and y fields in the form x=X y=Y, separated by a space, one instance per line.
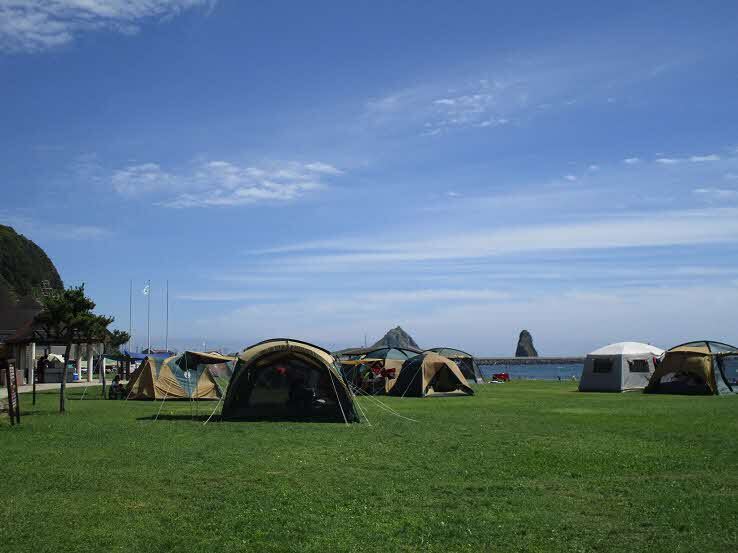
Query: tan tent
x=283 y=378
x=695 y=368
x=182 y=376
x=465 y=361
x=430 y=374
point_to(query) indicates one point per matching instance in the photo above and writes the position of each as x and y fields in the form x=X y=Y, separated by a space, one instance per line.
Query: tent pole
x=338 y=399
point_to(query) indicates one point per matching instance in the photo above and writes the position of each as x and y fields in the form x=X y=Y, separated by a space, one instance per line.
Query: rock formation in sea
x=397 y=338
x=525 y=346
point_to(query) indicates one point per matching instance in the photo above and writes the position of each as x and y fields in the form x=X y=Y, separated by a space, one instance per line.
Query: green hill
x=23 y=267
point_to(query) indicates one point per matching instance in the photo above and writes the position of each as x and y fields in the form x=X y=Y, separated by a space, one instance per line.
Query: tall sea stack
x=525 y=346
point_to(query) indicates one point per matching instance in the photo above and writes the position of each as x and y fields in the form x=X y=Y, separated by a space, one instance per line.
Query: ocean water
x=535 y=372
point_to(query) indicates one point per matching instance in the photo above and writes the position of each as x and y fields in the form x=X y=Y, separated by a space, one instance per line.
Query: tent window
x=602 y=366
x=684 y=382
x=730 y=368
x=638 y=366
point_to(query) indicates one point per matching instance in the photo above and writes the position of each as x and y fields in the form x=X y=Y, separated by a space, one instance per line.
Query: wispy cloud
x=632 y=160
x=49 y=230
x=509 y=89
x=223 y=183
x=36 y=25
x=437 y=109
x=717 y=194
x=141 y=179
x=689 y=159
x=365 y=298
x=225 y=296
x=635 y=230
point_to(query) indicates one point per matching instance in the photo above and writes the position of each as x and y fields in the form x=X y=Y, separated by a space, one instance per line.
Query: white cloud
x=36 y=25
x=631 y=160
x=223 y=183
x=594 y=167
x=690 y=159
x=715 y=225
x=326 y=168
x=225 y=296
x=437 y=108
x=396 y=296
x=570 y=178
x=141 y=179
x=368 y=297
x=717 y=194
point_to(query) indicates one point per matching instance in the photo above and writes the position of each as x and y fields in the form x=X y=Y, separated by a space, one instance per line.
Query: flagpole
x=166 y=332
x=130 y=314
x=148 y=317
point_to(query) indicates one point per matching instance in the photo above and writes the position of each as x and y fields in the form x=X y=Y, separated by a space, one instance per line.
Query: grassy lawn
x=525 y=466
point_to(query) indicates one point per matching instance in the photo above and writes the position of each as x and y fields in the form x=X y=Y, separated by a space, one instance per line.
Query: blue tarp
x=141 y=356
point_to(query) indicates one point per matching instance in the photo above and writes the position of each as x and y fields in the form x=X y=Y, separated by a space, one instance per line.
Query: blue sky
x=326 y=170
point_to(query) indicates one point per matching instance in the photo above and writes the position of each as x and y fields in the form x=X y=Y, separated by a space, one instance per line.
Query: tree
x=67 y=315
x=116 y=339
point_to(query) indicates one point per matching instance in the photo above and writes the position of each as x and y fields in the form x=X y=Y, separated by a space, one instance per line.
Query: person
x=116 y=388
x=41 y=367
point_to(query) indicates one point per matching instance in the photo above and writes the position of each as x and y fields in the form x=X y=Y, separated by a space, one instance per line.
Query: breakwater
x=529 y=360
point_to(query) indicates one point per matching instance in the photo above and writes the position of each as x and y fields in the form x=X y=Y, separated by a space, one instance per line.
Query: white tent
x=619 y=367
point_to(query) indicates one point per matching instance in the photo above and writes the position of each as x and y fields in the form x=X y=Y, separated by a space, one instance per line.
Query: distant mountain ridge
x=396 y=338
x=24 y=266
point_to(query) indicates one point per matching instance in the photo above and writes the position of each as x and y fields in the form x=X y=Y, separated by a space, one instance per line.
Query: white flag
x=146 y=290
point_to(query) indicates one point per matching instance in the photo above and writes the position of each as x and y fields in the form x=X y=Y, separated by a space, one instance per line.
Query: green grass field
x=525 y=466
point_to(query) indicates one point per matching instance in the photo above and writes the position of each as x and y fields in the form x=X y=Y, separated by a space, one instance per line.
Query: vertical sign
x=13 y=409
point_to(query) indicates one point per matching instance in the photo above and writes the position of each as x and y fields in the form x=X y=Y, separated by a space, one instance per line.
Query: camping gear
x=465 y=361
x=182 y=376
x=619 y=367
x=430 y=374
x=381 y=374
x=388 y=359
x=696 y=368
x=284 y=378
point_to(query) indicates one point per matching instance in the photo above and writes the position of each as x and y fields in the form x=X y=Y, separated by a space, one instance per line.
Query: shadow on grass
x=182 y=417
x=219 y=418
